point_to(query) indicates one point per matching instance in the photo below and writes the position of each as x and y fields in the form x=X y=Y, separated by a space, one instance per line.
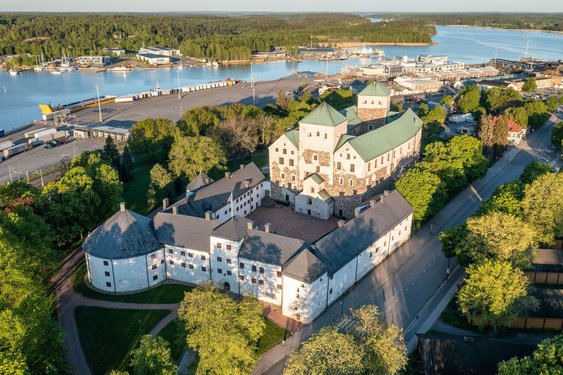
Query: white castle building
x=205 y=237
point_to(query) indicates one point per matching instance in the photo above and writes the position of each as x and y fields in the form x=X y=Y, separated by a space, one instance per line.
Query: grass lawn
x=452 y=316
x=135 y=190
x=108 y=335
x=273 y=335
x=166 y=293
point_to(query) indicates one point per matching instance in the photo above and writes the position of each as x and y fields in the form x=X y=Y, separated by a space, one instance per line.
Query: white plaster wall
x=226 y=260
x=311 y=302
x=245 y=204
x=130 y=274
x=157 y=260
x=341 y=155
x=374 y=102
x=342 y=280
x=196 y=259
x=269 y=291
x=96 y=273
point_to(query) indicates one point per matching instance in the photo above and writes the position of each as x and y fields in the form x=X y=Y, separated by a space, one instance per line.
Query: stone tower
x=374 y=102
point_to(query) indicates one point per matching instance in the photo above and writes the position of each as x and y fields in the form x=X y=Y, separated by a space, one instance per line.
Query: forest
x=198 y=36
x=532 y=21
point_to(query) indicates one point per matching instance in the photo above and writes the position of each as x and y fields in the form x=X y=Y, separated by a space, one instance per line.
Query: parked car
x=51 y=144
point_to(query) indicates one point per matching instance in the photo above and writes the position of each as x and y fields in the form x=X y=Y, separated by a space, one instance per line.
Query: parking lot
x=40 y=158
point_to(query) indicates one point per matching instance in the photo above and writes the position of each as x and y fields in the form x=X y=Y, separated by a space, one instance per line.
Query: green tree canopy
x=530 y=85
x=160 y=177
x=447 y=99
x=152 y=138
x=469 y=100
x=437 y=115
x=557 y=134
x=152 y=357
x=547 y=359
x=534 y=170
x=497 y=98
x=537 y=112
x=506 y=198
x=190 y=156
x=518 y=115
x=486 y=134
x=494 y=293
x=198 y=121
x=111 y=152
x=542 y=206
x=222 y=331
x=326 y=353
x=424 y=191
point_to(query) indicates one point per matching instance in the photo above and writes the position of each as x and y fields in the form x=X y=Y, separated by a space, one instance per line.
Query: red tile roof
x=513 y=127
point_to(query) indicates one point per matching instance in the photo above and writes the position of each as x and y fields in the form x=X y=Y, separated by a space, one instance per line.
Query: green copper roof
x=324 y=115
x=325 y=196
x=293 y=136
x=317 y=178
x=343 y=139
x=351 y=114
x=381 y=140
x=375 y=89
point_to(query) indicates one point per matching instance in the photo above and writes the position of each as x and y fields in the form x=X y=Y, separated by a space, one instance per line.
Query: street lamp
x=99 y=105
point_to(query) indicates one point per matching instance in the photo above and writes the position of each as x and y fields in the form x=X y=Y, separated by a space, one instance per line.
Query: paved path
x=411 y=282
x=68 y=300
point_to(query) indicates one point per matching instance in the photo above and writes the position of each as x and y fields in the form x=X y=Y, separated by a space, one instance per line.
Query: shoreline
x=502 y=28
x=368 y=44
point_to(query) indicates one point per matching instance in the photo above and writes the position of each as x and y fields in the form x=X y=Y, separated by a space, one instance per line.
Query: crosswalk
x=346 y=324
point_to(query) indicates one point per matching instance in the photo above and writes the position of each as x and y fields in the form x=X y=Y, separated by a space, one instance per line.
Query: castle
x=334 y=161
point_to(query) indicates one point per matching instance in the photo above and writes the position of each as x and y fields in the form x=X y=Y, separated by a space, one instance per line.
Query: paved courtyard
x=288 y=223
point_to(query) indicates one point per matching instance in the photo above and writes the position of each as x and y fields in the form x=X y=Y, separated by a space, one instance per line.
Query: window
x=218 y=245
x=350 y=182
x=261 y=269
x=318 y=169
x=279 y=286
x=241 y=266
x=279 y=273
x=253 y=280
x=203 y=257
x=376 y=250
x=203 y=269
x=284 y=151
x=325 y=136
x=315 y=157
x=170 y=251
x=341 y=181
x=369 y=167
x=253 y=268
x=352 y=168
x=348 y=156
x=108 y=284
x=183 y=265
x=191 y=266
x=153 y=256
x=155 y=277
x=190 y=255
x=292 y=152
x=281 y=161
x=338 y=165
x=312 y=189
x=183 y=253
x=309 y=201
x=293 y=178
x=162 y=261
x=277 y=149
x=261 y=282
x=291 y=162
x=330 y=291
x=106 y=273
x=171 y=262
x=297 y=296
x=153 y=266
x=228 y=261
x=219 y=259
x=229 y=273
x=370 y=254
x=106 y=263
x=283 y=175
x=219 y=270
x=318 y=134
x=241 y=278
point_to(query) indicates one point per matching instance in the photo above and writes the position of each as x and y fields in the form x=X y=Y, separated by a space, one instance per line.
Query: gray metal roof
x=234 y=229
x=184 y=231
x=269 y=248
x=216 y=195
x=343 y=244
x=201 y=180
x=124 y=235
x=548 y=260
x=305 y=267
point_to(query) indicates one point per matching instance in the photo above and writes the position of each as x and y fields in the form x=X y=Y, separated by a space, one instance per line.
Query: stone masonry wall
x=323 y=157
x=368 y=114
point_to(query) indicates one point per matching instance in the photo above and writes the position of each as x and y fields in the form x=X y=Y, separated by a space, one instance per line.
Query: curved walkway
x=68 y=300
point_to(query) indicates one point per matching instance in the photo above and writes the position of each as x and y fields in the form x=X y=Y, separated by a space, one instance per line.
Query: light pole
x=99 y=105
x=252 y=83
x=179 y=96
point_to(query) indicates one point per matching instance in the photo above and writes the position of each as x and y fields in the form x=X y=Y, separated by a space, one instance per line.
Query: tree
x=537 y=112
x=494 y=293
x=152 y=357
x=506 y=198
x=518 y=115
x=111 y=152
x=469 y=152
x=469 y=99
x=238 y=134
x=533 y=171
x=152 y=138
x=160 y=176
x=327 y=352
x=552 y=103
x=500 y=135
x=424 y=191
x=452 y=238
x=546 y=359
x=557 y=134
x=423 y=109
x=198 y=121
x=486 y=134
x=542 y=206
x=438 y=160
x=190 y=156
x=530 y=85
x=222 y=331
x=437 y=115
x=497 y=98
x=384 y=346
x=447 y=100
x=126 y=165
x=498 y=236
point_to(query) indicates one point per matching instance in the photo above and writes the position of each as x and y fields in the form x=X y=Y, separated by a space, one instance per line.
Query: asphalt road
x=404 y=284
x=40 y=158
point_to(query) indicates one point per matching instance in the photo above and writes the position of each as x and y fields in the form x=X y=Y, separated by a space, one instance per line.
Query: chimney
x=267 y=228
x=164 y=204
x=250 y=225
x=386 y=193
x=227 y=175
x=357 y=211
x=341 y=223
x=241 y=167
x=174 y=210
x=122 y=206
x=372 y=202
x=208 y=215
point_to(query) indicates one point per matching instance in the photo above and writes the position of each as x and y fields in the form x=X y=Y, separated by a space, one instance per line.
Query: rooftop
x=269 y=248
x=183 y=231
x=305 y=266
x=375 y=89
x=324 y=115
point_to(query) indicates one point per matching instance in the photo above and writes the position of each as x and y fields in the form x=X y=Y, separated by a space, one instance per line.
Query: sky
x=282 y=6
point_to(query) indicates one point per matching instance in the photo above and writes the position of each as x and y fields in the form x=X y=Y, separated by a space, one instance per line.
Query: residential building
x=131 y=252
x=158 y=50
x=333 y=161
x=515 y=131
x=94 y=60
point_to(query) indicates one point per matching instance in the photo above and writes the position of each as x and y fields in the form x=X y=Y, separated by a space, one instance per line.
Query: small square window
x=261 y=282
x=330 y=291
x=108 y=284
x=153 y=267
x=219 y=271
x=204 y=269
x=106 y=263
x=170 y=251
x=241 y=278
x=229 y=261
x=153 y=256
x=203 y=257
x=241 y=266
x=155 y=277
x=229 y=273
x=253 y=268
x=219 y=259
x=229 y=247
x=191 y=266
x=162 y=261
x=183 y=253
x=218 y=245
x=183 y=265
x=190 y=255
x=279 y=274
x=261 y=269
x=106 y=273
x=253 y=280
x=171 y=262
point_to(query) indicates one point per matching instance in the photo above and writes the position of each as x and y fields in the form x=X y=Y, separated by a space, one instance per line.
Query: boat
x=13 y=72
x=38 y=68
x=215 y=64
x=120 y=69
x=56 y=72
